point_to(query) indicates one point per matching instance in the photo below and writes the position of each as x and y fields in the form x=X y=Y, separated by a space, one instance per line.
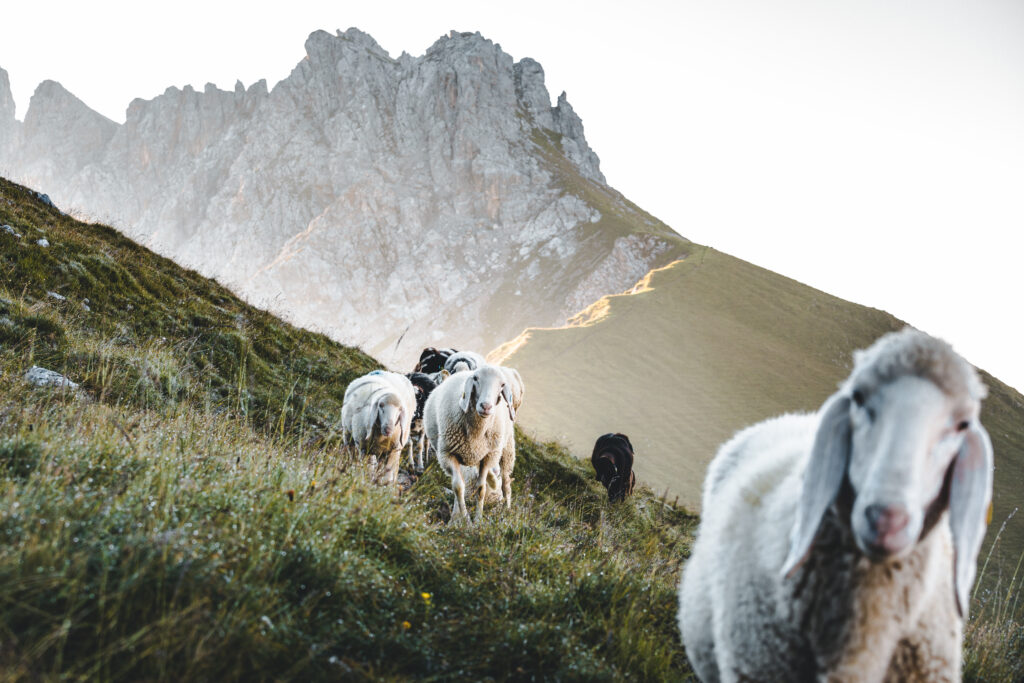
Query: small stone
x=43 y=242
x=55 y=295
x=45 y=199
x=41 y=377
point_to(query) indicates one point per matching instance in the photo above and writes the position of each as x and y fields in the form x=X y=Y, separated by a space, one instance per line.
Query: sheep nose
x=886 y=522
x=485 y=408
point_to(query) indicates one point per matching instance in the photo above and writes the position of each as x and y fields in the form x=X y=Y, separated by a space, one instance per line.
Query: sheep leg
x=391 y=465
x=412 y=454
x=459 y=487
x=508 y=462
x=482 y=482
x=421 y=447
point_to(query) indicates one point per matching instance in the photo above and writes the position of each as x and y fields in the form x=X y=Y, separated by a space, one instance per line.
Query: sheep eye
x=858 y=398
x=964 y=424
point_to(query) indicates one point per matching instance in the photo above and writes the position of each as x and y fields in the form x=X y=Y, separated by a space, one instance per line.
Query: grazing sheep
x=842 y=546
x=463 y=360
x=423 y=385
x=376 y=416
x=468 y=427
x=613 y=462
x=432 y=360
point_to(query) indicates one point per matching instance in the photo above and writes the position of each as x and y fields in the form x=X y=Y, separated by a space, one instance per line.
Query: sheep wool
x=842 y=546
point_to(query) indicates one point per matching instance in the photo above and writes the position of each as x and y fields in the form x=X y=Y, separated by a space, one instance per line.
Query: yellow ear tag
x=988 y=517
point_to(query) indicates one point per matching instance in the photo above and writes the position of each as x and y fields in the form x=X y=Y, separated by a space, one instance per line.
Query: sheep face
x=904 y=432
x=904 y=435
x=389 y=414
x=485 y=389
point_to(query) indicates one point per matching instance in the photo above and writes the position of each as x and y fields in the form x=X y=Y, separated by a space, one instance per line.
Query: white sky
x=872 y=149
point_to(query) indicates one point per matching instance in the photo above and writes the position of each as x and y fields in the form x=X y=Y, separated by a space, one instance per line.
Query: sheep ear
x=506 y=393
x=970 y=494
x=467 y=397
x=826 y=468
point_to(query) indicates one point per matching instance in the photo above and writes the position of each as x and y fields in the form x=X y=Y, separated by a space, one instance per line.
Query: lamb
x=376 y=417
x=423 y=385
x=468 y=428
x=613 y=462
x=843 y=545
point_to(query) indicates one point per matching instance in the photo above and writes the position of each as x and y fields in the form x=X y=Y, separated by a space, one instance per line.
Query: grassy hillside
x=189 y=515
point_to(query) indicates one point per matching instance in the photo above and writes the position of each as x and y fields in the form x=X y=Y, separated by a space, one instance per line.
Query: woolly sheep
x=468 y=427
x=612 y=459
x=376 y=416
x=843 y=545
x=463 y=360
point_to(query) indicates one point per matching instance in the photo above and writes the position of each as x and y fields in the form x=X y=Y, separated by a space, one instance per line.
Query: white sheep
x=461 y=361
x=376 y=415
x=842 y=546
x=468 y=427
x=516 y=386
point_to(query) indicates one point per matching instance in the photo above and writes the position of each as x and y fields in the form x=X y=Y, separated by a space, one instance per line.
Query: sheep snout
x=886 y=530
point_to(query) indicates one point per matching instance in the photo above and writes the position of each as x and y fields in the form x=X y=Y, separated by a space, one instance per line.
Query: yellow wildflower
x=406 y=626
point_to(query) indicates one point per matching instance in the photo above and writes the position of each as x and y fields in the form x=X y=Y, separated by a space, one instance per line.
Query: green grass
x=190 y=515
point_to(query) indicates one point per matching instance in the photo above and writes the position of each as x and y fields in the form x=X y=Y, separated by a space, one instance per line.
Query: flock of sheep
x=453 y=404
x=837 y=546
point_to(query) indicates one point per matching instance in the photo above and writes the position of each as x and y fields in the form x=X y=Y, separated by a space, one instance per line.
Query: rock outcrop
x=440 y=197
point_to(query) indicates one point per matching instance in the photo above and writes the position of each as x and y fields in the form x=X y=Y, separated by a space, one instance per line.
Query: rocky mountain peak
x=6 y=98
x=61 y=134
x=532 y=93
x=574 y=143
x=8 y=124
x=439 y=197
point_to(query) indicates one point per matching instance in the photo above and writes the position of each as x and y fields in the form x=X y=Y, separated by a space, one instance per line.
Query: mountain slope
x=189 y=514
x=449 y=181
x=707 y=346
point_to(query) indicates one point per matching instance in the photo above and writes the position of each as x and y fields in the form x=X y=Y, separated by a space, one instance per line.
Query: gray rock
x=41 y=377
x=11 y=231
x=43 y=242
x=55 y=295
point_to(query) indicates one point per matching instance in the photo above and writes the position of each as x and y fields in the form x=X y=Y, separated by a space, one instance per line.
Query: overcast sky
x=872 y=149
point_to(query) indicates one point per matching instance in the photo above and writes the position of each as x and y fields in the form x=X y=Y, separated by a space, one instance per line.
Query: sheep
x=423 y=384
x=463 y=360
x=467 y=427
x=376 y=417
x=516 y=386
x=432 y=360
x=613 y=462
x=843 y=545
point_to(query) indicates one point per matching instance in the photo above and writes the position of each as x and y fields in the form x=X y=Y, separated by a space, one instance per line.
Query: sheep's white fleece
x=359 y=417
x=838 y=616
x=462 y=438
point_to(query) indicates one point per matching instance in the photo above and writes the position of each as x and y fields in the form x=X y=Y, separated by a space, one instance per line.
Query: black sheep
x=422 y=384
x=432 y=360
x=613 y=462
